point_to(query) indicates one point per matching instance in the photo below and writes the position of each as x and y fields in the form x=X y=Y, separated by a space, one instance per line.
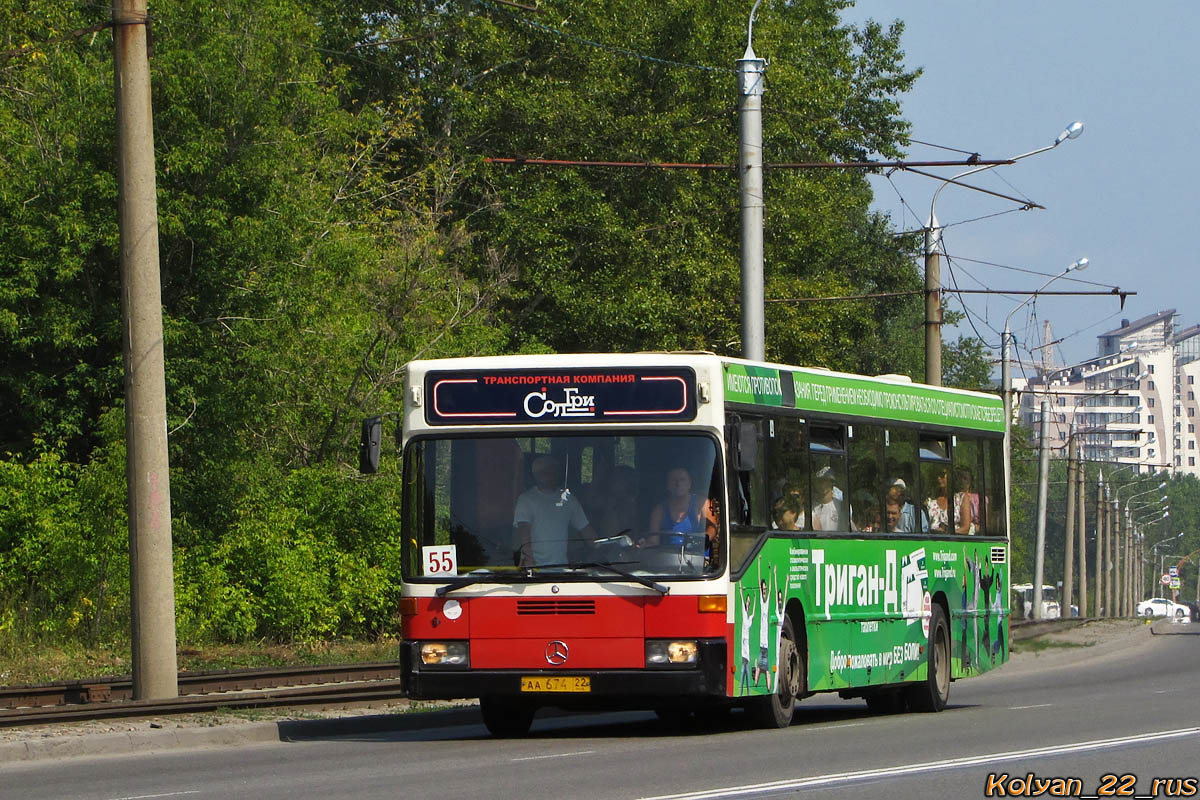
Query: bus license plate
x=556 y=683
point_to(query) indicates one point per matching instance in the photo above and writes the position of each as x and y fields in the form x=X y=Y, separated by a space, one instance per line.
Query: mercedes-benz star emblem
x=556 y=652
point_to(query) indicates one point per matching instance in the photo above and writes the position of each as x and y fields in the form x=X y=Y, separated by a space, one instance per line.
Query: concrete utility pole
x=1069 y=537
x=1100 y=546
x=1127 y=587
x=933 y=305
x=1119 y=560
x=1110 y=608
x=1039 y=555
x=155 y=670
x=751 y=72
x=1081 y=489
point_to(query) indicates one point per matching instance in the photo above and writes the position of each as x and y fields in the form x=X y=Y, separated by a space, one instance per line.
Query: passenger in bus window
x=938 y=506
x=682 y=511
x=827 y=508
x=966 y=503
x=905 y=518
x=788 y=513
x=544 y=517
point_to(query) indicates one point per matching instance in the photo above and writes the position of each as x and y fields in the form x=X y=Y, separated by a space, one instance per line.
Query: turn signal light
x=408 y=606
x=711 y=603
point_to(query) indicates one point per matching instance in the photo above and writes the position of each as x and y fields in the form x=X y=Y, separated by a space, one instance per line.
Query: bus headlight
x=665 y=653
x=444 y=654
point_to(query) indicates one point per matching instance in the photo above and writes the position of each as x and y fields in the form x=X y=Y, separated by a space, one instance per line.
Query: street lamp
x=1006 y=373
x=933 y=272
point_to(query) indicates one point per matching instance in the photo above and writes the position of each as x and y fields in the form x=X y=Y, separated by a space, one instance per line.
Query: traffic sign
x=1173 y=571
x=1166 y=579
x=1174 y=583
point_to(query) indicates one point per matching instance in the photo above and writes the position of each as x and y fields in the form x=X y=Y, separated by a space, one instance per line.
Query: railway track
x=107 y=698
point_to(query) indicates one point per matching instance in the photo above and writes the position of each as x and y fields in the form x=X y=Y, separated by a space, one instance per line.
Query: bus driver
x=544 y=514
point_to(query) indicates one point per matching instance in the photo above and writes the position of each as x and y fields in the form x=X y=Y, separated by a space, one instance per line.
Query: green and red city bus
x=689 y=533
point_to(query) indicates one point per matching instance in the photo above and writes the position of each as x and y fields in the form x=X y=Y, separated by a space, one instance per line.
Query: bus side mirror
x=746 y=453
x=368 y=445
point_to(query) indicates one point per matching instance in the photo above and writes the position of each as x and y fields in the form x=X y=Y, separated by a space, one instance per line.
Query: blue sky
x=1003 y=78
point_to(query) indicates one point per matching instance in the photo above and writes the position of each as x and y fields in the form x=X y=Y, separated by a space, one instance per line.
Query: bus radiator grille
x=555 y=607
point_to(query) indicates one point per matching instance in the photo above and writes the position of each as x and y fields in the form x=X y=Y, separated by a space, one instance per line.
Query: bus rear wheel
x=932 y=693
x=775 y=710
x=506 y=718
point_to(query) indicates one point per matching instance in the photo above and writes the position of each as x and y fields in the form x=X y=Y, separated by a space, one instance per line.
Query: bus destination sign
x=560 y=396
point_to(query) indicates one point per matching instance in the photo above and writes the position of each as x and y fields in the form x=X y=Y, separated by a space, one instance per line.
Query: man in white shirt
x=827 y=506
x=544 y=516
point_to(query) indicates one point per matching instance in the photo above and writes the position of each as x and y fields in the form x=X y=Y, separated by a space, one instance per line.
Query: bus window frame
x=438 y=435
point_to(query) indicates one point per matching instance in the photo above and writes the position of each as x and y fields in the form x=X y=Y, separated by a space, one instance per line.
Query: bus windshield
x=528 y=508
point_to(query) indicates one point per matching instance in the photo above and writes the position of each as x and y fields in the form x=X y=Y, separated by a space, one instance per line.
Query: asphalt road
x=1136 y=713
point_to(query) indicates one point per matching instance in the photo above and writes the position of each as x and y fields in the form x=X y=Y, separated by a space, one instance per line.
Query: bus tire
x=775 y=710
x=506 y=718
x=932 y=693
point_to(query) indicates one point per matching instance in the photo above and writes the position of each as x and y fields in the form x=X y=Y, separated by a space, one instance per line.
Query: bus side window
x=787 y=464
x=937 y=484
x=993 y=488
x=968 y=484
x=901 y=492
x=866 y=481
x=747 y=488
x=827 y=451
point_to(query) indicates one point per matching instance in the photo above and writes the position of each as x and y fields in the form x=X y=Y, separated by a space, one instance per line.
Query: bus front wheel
x=504 y=717
x=775 y=710
x=932 y=693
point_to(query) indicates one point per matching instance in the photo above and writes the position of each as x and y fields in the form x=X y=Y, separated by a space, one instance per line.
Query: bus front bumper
x=639 y=687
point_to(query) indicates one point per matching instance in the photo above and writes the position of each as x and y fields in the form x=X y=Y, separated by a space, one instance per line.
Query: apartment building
x=1134 y=403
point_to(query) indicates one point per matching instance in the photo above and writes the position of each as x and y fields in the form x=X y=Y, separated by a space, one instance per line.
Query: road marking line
x=1022 y=708
x=555 y=755
x=952 y=763
x=164 y=794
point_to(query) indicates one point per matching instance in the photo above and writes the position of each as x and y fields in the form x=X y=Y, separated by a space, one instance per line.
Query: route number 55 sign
x=441 y=559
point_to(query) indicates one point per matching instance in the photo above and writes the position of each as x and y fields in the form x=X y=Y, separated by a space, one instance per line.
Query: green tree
x=611 y=259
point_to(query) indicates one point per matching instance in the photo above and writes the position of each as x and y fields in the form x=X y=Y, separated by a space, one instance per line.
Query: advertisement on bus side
x=867 y=607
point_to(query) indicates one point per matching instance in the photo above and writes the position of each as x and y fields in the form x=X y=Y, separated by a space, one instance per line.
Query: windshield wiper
x=649 y=584
x=463 y=582
x=458 y=584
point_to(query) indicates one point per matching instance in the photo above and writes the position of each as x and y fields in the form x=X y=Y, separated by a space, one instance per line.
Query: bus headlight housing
x=672 y=653
x=445 y=654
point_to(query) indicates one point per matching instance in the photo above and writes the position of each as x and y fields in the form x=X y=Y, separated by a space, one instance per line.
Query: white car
x=1159 y=607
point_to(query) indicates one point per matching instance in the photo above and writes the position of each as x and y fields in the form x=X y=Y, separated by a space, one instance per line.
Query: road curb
x=158 y=740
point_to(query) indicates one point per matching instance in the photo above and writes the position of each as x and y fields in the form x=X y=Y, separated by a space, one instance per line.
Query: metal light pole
x=933 y=272
x=751 y=70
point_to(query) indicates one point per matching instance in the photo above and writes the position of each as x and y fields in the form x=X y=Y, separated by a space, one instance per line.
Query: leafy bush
x=64 y=564
x=311 y=554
